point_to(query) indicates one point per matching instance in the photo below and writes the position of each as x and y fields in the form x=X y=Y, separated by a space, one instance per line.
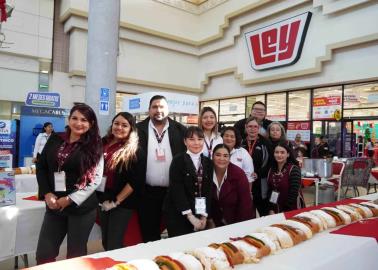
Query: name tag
x=274 y=197
x=101 y=186
x=160 y=154
x=60 y=181
x=200 y=205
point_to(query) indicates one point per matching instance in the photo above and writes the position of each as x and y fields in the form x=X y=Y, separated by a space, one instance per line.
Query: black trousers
x=262 y=205
x=150 y=212
x=177 y=225
x=56 y=226
x=113 y=226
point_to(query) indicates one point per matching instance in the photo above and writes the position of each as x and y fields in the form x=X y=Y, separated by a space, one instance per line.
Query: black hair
x=291 y=159
x=156 y=97
x=258 y=102
x=238 y=137
x=193 y=130
x=45 y=125
x=221 y=145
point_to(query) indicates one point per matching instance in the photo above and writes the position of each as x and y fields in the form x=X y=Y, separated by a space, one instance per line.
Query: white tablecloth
x=20 y=225
x=26 y=183
x=323 y=251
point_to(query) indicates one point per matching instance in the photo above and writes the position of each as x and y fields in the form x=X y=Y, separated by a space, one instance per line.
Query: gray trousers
x=56 y=226
x=113 y=226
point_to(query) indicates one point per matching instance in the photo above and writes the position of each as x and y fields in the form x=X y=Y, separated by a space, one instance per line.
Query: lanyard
x=251 y=147
x=209 y=147
x=159 y=138
x=200 y=177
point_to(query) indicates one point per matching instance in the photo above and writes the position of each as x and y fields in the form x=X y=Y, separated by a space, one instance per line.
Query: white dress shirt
x=241 y=158
x=213 y=141
x=196 y=158
x=158 y=170
x=40 y=143
x=215 y=181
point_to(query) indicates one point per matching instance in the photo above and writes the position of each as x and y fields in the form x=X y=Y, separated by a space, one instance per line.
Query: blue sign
x=40 y=99
x=134 y=103
x=104 y=94
x=26 y=110
x=104 y=108
x=8 y=135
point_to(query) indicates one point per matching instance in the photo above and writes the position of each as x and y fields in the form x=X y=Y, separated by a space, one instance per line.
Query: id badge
x=60 y=181
x=274 y=197
x=160 y=154
x=101 y=186
x=200 y=205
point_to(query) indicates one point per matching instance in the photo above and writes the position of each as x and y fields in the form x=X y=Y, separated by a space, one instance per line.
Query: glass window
x=5 y=109
x=251 y=100
x=326 y=103
x=299 y=105
x=213 y=104
x=358 y=98
x=276 y=107
x=231 y=110
x=119 y=100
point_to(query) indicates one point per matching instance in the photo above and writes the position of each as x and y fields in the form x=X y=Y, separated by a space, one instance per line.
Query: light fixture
x=45 y=71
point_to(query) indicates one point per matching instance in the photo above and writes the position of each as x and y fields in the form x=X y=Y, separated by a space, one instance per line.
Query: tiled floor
x=95 y=246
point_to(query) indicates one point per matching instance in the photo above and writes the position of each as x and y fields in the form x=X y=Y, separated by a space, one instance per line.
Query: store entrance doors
x=332 y=130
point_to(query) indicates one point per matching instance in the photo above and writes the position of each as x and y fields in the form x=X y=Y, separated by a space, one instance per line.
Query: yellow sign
x=337 y=114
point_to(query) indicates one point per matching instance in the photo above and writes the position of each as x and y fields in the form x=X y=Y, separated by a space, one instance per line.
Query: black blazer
x=182 y=188
x=135 y=175
x=46 y=166
x=176 y=132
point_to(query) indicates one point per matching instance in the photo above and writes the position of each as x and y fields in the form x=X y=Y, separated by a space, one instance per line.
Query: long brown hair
x=203 y=111
x=127 y=154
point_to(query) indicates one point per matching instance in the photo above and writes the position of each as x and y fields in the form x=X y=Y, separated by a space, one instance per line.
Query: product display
x=253 y=247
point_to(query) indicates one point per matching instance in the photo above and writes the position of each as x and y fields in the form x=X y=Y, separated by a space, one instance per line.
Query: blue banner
x=40 y=99
x=8 y=131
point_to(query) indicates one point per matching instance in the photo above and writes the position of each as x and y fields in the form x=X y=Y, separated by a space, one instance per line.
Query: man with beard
x=160 y=138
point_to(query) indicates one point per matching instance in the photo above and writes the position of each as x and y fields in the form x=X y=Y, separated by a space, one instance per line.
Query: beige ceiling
x=196 y=2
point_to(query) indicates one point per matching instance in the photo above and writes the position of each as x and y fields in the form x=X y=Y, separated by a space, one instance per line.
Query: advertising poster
x=327 y=108
x=7 y=143
x=294 y=128
x=7 y=189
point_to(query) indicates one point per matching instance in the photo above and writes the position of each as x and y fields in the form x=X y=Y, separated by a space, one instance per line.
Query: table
x=323 y=251
x=26 y=183
x=20 y=225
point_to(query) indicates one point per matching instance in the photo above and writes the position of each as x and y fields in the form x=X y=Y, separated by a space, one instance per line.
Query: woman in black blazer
x=124 y=177
x=69 y=171
x=187 y=204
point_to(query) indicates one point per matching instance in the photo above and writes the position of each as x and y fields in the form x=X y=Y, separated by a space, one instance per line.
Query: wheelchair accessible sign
x=104 y=101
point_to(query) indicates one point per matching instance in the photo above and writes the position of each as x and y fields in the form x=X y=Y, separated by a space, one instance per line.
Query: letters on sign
x=279 y=44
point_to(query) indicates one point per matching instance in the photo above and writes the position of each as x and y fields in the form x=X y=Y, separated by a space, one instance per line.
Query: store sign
x=302 y=128
x=277 y=117
x=27 y=110
x=279 y=44
x=5 y=127
x=7 y=142
x=43 y=99
x=327 y=108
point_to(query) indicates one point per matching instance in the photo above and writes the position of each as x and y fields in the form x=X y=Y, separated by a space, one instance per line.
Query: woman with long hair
x=41 y=140
x=124 y=175
x=231 y=200
x=284 y=181
x=207 y=121
x=68 y=173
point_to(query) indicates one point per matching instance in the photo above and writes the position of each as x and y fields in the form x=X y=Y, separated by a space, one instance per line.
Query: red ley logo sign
x=279 y=44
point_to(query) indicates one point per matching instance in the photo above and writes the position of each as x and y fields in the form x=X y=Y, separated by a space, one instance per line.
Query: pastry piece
x=298 y=224
x=168 y=263
x=211 y=258
x=250 y=252
x=362 y=209
x=354 y=214
x=372 y=206
x=266 y=239
x=279 y=236
x=346 y=218
x=136 y=265
x=313 y=226
x=233 y=254
x=325 y=217
x=187 y=260
x=315 y=219
x=296 y=235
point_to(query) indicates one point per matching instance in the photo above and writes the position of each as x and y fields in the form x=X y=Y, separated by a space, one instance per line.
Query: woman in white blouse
x=208 y=123
x=239 y=156
x=41 y=140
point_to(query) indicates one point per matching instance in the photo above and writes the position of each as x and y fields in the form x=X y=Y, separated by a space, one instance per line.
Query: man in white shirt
x=160 y=138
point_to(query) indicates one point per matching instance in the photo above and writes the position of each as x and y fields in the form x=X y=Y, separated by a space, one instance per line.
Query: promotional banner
x=43 y=99
x=8 y=134
x=177 y=103
x=302 y=128
x=327 y=108
x=7 y=189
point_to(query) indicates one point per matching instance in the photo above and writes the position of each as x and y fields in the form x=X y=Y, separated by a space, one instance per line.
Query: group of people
x=188 y=179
